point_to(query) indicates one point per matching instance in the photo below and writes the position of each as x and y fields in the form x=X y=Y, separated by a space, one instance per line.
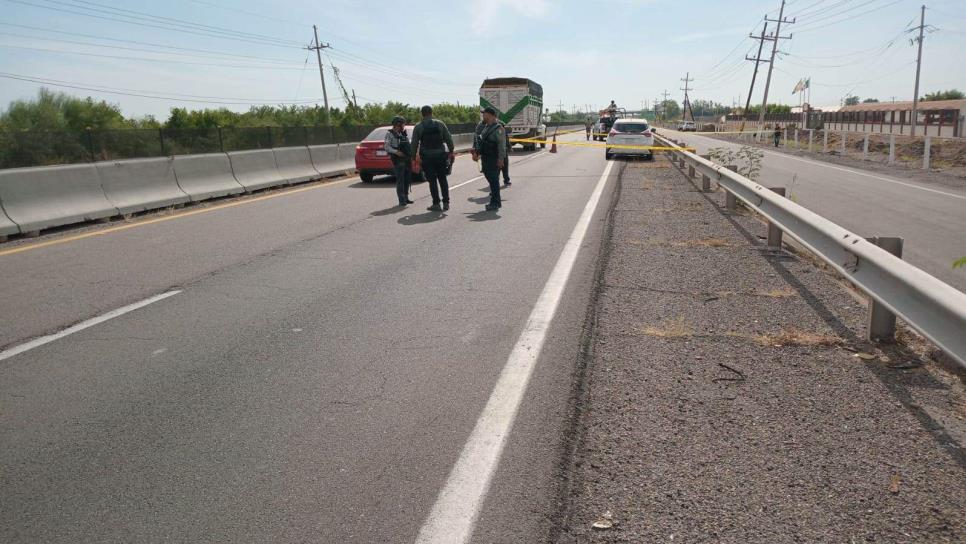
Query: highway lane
x=316 y=378
x=931 y=218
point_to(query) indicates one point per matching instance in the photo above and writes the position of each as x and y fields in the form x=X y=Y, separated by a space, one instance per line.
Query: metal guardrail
x=934 y=308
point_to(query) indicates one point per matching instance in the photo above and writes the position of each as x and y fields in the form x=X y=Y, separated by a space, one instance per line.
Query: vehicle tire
x=608 y=155
x=543 y=146
x=366 y=177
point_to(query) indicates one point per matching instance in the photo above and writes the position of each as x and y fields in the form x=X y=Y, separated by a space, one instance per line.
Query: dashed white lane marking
x=37 y=342
x=458 y=505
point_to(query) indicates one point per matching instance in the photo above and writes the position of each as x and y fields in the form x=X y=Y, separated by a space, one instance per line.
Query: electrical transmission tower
x=687 y=101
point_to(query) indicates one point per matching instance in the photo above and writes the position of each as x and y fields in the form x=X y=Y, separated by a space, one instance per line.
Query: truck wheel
x=366 y=177
x=608 y=155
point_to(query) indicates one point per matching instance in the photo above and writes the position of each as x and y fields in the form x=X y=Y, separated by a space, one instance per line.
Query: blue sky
x=581 y=51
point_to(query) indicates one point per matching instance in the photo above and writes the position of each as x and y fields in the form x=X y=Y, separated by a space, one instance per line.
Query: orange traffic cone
x=553 y=147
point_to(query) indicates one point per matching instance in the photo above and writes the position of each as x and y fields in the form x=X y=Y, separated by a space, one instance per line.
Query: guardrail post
x=825 y=141
x=882 y=322
x=892 y=149
x=705 y=180
x=690 y=171
x=865 y=147
x=811 y=136
x=927 y=143
x=796 y=138
x=731 y=201
x=845 y=136
x=775 y=233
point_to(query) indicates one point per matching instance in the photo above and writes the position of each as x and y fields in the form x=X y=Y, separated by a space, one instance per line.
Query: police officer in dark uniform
x=492 y=151
x=397 y=146
x=509 y=145
x=428 y=139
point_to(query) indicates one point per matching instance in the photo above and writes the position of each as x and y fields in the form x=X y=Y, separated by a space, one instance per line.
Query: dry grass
x=783 y=292
x=704 y=242
x=797 y=337
x=672 y=328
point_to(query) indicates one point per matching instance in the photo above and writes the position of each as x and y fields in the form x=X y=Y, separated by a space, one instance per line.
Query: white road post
x=845 y=136
x=925 y=152
x=811 y=134
x=796 y=138
x=825 y=140
x=892 y=149
x=865 y=148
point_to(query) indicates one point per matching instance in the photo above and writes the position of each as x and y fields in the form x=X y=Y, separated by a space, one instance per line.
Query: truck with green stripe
x=518 y=103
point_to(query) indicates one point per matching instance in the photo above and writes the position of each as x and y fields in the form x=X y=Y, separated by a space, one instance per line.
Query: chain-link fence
x=48 y=147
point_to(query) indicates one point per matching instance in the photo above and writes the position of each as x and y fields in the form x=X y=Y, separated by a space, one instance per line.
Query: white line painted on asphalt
x=37 y=342
x=477 y=178
x=458 y=505
x=857 y=172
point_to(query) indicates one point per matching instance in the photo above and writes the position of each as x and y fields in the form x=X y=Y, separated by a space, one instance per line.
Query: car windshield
x=631 y=127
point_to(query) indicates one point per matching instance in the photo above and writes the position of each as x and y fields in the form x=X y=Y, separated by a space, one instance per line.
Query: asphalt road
x=314 y=380
x=931 y=218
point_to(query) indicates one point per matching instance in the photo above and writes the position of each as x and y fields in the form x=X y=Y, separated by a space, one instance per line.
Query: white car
x=687 y=126
x=630 y=132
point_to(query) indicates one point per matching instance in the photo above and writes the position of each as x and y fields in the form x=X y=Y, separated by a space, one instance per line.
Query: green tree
x=871 y=101
x=851 y=100
x=670 y=109
x=951 y=94
x=772 y=108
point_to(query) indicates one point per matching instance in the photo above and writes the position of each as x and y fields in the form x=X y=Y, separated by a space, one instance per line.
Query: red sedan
x=371 y=157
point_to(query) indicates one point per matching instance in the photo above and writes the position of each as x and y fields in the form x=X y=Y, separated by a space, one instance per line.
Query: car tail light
x=612 y=132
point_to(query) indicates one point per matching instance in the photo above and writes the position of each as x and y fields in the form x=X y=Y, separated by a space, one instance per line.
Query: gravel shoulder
x=724 y=400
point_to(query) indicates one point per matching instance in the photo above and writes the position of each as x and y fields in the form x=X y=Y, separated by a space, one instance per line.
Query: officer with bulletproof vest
x=509 y=145
x=428 y=139
x=397 y=146
x=491 y=151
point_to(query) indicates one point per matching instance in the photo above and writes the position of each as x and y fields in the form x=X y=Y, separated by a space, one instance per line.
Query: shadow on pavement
x=483 y=216
x=479 y=199
x=418 y=219
x=388 y=211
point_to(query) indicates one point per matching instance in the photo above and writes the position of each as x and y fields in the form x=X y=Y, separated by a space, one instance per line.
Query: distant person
x=588 y=126
x=428 y=139
x=777 y=136
x=492 y=153
x=612 y=106
x=397 y=146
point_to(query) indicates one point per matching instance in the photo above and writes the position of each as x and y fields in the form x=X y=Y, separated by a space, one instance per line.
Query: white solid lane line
x=458 y=505
x=37 y=342
x=851 y=171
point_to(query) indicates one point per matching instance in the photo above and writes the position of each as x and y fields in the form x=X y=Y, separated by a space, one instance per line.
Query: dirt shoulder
x=724 y=400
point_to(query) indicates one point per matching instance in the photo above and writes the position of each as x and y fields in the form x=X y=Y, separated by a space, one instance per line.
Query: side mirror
x=653 y=129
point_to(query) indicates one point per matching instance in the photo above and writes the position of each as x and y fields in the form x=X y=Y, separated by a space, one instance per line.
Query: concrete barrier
x=295 y=164
x=50 y=196
x=206 y=176
x=139 y=185
x=255 y=169
x=7 y=227
x=333 y=159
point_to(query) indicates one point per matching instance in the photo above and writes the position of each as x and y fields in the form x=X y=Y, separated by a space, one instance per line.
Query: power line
x=849 y=18
x=149 y=59
x=119 y=40
x=148 y=25
x=153 y=95
x=250 y=13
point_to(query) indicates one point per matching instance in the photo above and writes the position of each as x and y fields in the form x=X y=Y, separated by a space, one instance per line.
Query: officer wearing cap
x=491 y=150
x=397 y=146
x=428 y=139
x=509 y=145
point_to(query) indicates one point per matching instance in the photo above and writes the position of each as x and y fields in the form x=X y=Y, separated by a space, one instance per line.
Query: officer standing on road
x=400 y=152
x=777 y=136
x=509 y=145
x=588 y=125
x=492 y=151
x=428 y=139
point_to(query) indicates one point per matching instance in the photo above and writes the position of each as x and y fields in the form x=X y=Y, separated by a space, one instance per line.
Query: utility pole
x=915 y=96
x=664 y=107
x=356 y=103
x=687 y=104
x=758 y=60
x=560 y=105
x=771 y=63
x=318 y=55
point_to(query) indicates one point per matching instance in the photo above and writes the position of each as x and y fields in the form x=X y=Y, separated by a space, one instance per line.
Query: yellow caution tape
x=608 y=146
